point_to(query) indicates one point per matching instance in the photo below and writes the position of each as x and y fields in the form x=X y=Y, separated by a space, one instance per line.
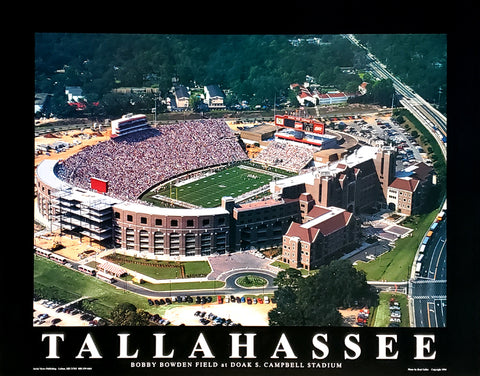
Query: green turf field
x=208 y=191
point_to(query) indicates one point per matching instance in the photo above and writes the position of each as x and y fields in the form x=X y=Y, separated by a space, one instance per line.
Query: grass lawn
x=382 y=313
x=208 y=191
x=395 y=266
x=192 y=268
x=251 y=281
x=179 y=286
x=67 y=285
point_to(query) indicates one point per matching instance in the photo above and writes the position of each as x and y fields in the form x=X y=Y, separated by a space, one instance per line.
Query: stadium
x=179 y=189
x=169 y=189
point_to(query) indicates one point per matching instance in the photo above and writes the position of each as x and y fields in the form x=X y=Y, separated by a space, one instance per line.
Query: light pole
x=155 y=111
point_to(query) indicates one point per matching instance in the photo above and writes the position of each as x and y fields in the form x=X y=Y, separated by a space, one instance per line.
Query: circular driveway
x=234 y=275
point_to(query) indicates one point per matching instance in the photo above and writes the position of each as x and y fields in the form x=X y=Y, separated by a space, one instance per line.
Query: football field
x=207 y=192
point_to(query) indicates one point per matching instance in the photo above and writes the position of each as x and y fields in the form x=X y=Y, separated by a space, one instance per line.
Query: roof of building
x=328 y=221
x=420 y=170
x=259 y=204
x=181 y=92
x=405 y=184
x=214 y=91
x=336 y=95
x=74 y=90
x=317 y=211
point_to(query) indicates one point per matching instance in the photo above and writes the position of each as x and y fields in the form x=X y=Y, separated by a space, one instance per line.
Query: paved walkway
x=239 y=261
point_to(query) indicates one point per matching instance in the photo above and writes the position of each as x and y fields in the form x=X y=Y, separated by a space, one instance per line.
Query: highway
x=434 y=121
x=429 y=290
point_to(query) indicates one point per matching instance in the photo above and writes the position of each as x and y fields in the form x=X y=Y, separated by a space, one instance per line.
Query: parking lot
x=241 y=313
x=42 y=308
x=370 y=129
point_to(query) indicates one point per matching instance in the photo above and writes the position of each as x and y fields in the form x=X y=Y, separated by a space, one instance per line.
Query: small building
x=181 y=97
x=401 y=195
x=258 y=133
x=407 y=193
x=74 y=93
x=214 y=97
x=362 y=88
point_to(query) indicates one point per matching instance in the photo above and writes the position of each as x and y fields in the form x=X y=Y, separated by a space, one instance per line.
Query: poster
x=258 y=349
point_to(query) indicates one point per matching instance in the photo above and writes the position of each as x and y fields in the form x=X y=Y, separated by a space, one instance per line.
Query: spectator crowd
x=134 y=162
x=286 y=155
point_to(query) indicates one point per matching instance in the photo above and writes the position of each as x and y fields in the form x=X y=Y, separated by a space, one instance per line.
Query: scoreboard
x=300 y=123
x=99 y=185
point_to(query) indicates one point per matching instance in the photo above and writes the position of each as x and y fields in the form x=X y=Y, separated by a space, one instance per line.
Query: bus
x=418 y=268
x=42 y=252
x=425 y=240
x=105 y=277
x=86 y=269
x=422 y=248
x=440 y=215
x=420 y=258
x=58 y=259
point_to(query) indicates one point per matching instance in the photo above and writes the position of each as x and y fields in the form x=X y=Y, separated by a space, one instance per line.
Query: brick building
x=407 y=193
x=324 y=232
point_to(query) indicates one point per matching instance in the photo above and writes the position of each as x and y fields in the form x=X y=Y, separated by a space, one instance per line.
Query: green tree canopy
x=315 y=300
x=126 y=314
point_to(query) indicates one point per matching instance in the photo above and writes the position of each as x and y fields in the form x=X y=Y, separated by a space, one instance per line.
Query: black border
x=458 y=343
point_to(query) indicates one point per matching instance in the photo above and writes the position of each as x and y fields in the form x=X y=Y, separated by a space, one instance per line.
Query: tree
x=288 y=278
x=315 y=300
x=382 y=92
x=126 y=314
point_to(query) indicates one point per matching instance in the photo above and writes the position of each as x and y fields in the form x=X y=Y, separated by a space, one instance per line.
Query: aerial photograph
x=240 y=180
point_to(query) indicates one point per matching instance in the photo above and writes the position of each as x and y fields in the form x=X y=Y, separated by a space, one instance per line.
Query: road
x=229 y=289
x=434 y=121
x=429 y=290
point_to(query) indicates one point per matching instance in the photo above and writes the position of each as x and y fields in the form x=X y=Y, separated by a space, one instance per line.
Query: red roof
x=305 y=94
x=305 y=234
x=336 y=95
x=334 y=223
x=326 y=227
x=403 y=184
x=317 y=211
x=258 y=204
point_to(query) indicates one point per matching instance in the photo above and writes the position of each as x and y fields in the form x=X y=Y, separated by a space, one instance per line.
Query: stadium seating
x=134 y=162
x=286 y=155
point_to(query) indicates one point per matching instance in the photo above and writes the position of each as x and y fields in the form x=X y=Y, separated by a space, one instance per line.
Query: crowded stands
x=286 y=155
x=134 y=162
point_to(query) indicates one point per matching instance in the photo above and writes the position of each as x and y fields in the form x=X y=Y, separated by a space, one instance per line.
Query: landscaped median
x=383 y=313
x=160 y=269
